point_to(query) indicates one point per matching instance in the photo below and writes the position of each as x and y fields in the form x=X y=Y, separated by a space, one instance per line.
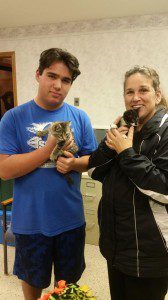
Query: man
x=47 y=216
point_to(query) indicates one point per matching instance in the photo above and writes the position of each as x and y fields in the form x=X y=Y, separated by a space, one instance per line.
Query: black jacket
x=132 y=213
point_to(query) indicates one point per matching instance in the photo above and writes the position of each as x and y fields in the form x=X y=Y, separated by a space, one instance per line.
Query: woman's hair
x=49 y=56
x=150 y=73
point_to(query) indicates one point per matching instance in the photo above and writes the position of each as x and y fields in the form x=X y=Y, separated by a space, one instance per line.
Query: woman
x=132 y=164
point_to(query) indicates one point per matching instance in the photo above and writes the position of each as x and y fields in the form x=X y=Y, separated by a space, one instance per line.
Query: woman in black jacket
x=132 y=164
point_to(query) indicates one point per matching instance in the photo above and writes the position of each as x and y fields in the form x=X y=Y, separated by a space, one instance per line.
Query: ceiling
x=16 y=13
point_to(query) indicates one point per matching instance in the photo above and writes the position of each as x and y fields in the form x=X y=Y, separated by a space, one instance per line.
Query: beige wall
x=105 y=49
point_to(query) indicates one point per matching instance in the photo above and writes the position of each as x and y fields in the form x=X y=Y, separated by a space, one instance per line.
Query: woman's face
x=140 y=94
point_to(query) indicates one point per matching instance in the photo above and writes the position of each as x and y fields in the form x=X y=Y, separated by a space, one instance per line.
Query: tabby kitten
x=62 y=131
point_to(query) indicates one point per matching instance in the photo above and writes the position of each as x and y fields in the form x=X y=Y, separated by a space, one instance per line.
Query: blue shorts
x=36 y=253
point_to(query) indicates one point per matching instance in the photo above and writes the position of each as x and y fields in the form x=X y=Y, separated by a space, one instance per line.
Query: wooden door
x=8 y=99
x=8 y=93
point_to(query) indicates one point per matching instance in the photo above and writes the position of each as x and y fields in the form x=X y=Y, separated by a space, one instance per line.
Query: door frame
x=11 y=55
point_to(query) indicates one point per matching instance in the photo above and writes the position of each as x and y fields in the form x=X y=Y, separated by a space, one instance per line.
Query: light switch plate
x=76 y=101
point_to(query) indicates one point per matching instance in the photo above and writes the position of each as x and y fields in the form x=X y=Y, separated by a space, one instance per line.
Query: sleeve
x=150 y=177
x=89 y=143
x=100 y=162
x=8 y=135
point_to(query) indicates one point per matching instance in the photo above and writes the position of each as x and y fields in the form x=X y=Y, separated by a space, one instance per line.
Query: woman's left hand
x=119 y=141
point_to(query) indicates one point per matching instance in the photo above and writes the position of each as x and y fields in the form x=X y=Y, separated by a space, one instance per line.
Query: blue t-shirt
x=44 y=202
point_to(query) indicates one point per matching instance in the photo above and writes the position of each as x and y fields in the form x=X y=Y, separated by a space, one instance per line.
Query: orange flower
x=46 y=297
x=66 y=290
x=58 y=290
x=62 y=284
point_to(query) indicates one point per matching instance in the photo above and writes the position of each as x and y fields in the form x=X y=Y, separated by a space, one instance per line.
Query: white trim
x=163 y=119
x=90 y=171
x=161 y=217
x=156 y=196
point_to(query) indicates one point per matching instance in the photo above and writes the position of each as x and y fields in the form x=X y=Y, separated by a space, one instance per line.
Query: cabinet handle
x=90 y=184
x=89 y=197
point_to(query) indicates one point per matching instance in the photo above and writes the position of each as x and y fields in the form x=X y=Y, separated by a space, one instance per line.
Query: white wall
x=105 y=49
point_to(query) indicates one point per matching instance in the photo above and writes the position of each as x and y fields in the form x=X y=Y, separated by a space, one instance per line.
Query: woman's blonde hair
x=150 y=73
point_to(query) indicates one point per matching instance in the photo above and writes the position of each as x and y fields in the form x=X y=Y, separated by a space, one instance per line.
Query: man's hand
x=68 y=144
x=65 y=164
x=50 y=143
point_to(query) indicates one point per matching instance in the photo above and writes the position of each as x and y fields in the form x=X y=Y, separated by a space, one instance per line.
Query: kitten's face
x=59 y=128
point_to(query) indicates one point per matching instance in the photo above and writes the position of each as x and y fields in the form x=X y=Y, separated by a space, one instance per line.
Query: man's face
x=54 y=85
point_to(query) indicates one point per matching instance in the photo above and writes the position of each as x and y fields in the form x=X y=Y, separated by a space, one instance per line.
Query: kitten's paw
x=52 y=157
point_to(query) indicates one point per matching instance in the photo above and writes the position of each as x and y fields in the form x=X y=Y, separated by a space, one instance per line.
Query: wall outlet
x=76 y=101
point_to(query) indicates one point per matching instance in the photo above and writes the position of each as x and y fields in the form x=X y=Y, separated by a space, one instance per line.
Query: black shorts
x=36 y=253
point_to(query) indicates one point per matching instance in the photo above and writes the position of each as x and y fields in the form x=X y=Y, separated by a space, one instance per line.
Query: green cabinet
x=6 y=190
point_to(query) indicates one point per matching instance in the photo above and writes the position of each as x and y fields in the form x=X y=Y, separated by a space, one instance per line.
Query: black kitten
x=129 y=118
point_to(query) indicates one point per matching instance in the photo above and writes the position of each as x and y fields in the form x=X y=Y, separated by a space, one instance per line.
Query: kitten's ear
x=55 y=126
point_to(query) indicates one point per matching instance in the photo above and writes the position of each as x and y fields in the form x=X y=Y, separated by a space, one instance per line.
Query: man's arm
x=81 y=163
x=16 y=165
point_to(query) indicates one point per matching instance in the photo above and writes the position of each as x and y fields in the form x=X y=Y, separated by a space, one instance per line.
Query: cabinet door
x=91 y=192
x=92 y=229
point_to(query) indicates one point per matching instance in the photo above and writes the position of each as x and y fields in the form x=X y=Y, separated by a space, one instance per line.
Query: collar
x=153 y=125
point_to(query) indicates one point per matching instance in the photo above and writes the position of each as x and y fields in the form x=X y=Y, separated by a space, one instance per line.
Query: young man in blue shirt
x=47 y=214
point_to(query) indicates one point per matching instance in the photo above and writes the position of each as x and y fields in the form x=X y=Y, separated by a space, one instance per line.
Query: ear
x=158 y=96
x=37 y=75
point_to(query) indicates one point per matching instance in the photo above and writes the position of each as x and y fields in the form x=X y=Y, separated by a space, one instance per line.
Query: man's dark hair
x=49 y=56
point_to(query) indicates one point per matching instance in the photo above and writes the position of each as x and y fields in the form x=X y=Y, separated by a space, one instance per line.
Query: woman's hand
x=121 y=129
x=118 y=140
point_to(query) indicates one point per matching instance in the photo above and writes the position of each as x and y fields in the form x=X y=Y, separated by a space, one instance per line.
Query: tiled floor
x=95 y=276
